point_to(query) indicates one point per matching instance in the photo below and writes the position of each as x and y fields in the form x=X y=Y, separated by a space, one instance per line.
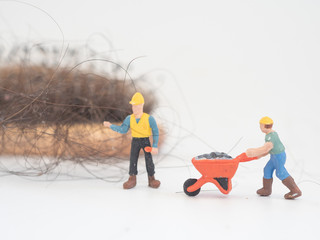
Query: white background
x=217 y=68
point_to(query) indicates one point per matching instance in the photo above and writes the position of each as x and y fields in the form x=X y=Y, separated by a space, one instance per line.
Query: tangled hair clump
x=57 y=113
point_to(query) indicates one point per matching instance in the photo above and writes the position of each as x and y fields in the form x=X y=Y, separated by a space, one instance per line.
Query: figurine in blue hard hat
x=275 y=148
x=142 y=126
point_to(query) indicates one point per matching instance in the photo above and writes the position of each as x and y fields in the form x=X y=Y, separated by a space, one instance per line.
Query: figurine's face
x=263 y=129
x=137 y=109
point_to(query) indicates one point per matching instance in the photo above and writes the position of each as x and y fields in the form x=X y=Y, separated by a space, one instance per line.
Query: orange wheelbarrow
x=217 y=168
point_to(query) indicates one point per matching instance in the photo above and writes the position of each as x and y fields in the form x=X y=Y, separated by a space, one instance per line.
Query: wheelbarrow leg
x=223 y=184
x=197 y=185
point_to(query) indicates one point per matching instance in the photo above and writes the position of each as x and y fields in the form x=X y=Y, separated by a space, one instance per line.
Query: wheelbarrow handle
x=244 y=158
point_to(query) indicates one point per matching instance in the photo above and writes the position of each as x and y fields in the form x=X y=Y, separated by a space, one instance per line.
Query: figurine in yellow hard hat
x=275 y=148
x=142 y=127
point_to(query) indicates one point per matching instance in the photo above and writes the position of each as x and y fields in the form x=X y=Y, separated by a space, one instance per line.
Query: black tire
x=189 y=183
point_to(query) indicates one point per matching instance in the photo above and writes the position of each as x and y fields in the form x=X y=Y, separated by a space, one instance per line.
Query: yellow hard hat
x=266 y=120
x=137 y=99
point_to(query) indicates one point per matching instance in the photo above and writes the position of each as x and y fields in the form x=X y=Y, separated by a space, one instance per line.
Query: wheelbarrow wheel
x=189 y=183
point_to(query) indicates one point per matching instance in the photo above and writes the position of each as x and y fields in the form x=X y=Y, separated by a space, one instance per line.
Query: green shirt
x=277 y=144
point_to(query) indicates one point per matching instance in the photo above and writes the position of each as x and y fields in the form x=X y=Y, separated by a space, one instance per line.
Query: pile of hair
x=56 y=113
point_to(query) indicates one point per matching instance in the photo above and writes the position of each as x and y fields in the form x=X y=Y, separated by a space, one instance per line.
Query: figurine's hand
x=107 y=124
x=251 y=152
x=154 y=151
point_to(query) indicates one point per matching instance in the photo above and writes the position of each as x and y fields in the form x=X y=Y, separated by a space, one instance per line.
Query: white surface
x=224 y=64
x=99 y=210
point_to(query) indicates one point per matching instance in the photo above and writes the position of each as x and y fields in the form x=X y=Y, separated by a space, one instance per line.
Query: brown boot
x=267 y=187
x=294 y=190
x=131 y=183
x=153 y=182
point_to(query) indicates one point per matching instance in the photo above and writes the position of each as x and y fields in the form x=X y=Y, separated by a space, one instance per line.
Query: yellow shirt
x=141 y=129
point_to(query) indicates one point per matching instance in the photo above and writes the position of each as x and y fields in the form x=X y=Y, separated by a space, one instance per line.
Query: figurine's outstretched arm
x=261 y=151
x=124 y=128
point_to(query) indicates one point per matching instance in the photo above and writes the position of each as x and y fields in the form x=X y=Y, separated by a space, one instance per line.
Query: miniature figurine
x=142 y=127
x=275 y=148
